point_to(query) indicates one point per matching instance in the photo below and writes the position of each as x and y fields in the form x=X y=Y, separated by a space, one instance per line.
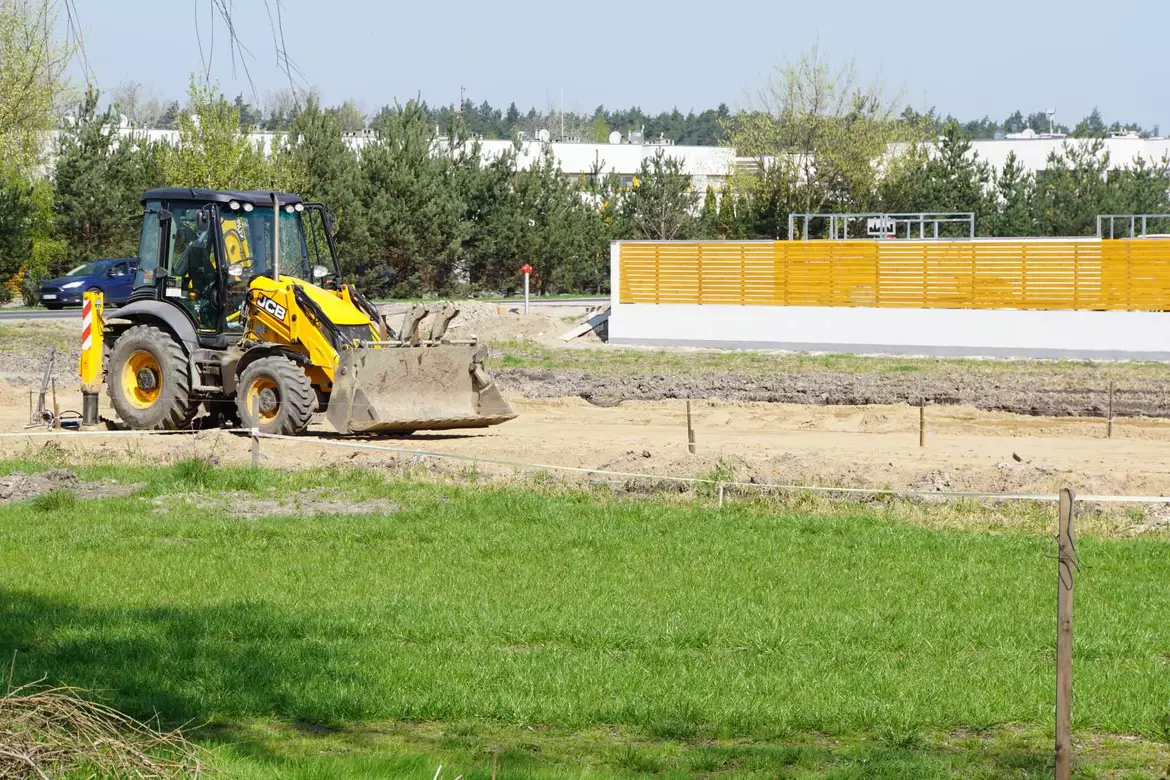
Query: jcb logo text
x=272 y=307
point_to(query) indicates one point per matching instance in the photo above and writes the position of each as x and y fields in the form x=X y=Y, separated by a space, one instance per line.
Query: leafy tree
x=16 y=216
x=98 y=180
x=349 y=117
x=598 y=130
x=213 y=153
x=823 y=128
x=32 y=65
x=137 y=103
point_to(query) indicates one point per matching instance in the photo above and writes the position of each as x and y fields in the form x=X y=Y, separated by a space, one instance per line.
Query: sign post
x=527 y=269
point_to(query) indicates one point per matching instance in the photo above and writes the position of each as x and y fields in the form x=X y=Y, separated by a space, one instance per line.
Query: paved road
x=75 y=313
x=42 y=314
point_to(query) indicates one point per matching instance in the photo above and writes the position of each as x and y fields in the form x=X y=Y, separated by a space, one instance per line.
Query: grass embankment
x=37 y=337
x=628 y=360
x=576 y=637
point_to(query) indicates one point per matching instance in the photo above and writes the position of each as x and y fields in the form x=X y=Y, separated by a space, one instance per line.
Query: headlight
x=71 y=285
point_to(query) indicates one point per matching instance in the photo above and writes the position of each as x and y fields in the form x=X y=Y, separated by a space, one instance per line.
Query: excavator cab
x=239 y=305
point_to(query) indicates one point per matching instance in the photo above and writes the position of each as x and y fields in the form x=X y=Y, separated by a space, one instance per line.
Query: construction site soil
x=991 y=425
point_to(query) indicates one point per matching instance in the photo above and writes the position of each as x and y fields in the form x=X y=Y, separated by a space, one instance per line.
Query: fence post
x=922 y=421
x=255 y=448
x=1109 y=421
x=1065 y=569
x=690 y=430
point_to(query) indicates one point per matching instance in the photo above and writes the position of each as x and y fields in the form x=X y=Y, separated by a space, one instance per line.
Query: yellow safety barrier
x=92 y=306
x=1126 y=274
x=91 y=342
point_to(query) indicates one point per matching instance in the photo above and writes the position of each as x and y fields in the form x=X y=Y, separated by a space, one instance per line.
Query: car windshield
x=86 y=269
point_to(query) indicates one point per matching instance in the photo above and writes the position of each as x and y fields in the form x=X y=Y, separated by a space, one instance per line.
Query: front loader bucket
x=414 y=387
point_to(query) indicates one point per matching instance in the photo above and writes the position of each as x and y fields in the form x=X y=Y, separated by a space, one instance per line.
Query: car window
x=119 y=269
x=86 y=269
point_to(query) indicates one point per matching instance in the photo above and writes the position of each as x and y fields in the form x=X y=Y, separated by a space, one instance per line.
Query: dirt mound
x=505 y=322
x=19 y=486
x=1043 y=393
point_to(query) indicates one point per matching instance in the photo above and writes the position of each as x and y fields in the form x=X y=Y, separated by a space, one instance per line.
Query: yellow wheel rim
x=141 y=379
x=263 y=399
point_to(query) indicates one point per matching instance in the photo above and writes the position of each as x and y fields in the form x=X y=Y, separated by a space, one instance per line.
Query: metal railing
x=1138 y=225
x=922 y=225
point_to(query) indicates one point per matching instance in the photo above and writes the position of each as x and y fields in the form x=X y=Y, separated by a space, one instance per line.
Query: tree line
x=710 y=127
x=417 y=214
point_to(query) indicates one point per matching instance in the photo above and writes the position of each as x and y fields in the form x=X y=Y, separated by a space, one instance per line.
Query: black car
x=114 y=278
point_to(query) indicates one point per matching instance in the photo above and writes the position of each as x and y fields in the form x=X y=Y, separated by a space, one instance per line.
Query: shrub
x=30 y=289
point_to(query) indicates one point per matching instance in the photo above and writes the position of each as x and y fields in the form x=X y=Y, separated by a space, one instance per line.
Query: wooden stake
x=1065 y=571
x=255 y=448
x=720 y=495
x=922 y=421
x=56 y=409
x=1109 y=421
x=690 y=430
x=495 y=762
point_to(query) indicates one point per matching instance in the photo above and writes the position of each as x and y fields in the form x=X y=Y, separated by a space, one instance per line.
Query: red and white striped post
x=91 y=356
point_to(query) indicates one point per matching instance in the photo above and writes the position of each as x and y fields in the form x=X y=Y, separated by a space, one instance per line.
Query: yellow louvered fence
x=1124 y=274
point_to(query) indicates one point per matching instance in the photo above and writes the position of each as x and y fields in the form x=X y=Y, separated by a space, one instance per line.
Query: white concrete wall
x=1108 y=335
x=944 y=332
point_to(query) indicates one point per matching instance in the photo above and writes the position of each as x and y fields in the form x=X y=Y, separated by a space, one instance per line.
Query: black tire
x=275 y=395
x=148 y=382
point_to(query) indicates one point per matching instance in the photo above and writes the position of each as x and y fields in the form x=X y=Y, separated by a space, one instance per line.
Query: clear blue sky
x=969 y=59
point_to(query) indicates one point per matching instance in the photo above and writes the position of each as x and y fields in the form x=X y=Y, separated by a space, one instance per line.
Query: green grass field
x=625 y=361
x=571 y=635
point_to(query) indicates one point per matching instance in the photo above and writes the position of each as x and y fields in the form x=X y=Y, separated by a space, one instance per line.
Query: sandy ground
x=847 y=429
x=872 y=446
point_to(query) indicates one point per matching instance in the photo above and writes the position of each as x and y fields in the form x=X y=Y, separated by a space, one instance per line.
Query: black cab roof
x=255 y=197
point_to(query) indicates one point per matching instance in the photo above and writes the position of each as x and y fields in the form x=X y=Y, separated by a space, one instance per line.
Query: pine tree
x=660 y=205
x=1015 y=190
x=98 y=181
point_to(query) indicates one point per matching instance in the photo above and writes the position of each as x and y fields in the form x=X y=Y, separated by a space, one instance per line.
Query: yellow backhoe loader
x=239 y=307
